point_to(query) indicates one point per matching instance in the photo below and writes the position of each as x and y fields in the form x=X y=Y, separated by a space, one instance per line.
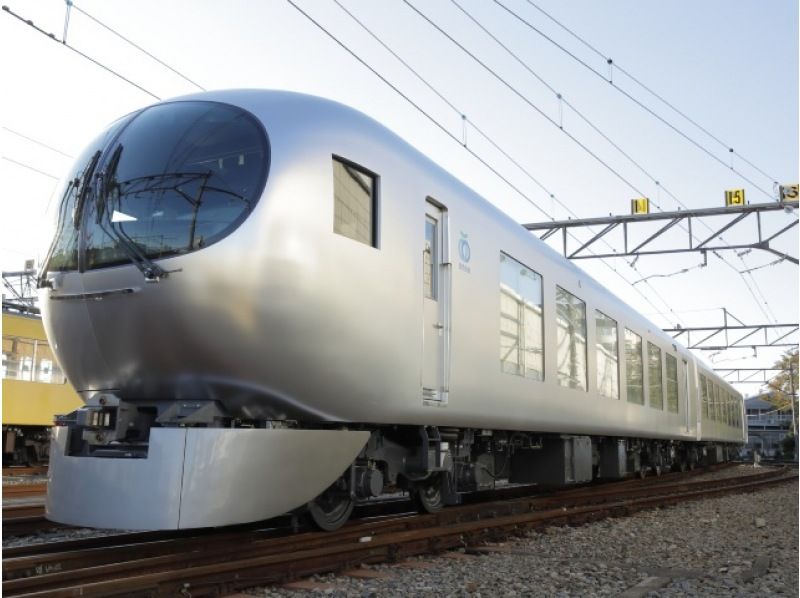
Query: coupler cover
x=198 y=477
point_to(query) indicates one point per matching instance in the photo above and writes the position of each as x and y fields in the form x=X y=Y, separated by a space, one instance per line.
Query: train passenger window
x=715 y=401
x=521 y=322
x=724 y=402
x=354 y=198
x=730 y=409
x=655 y=376
x=704 y=394
x=634 y=379
x=430 y=259
x=570 y=340
x=726 y=412
x=712 y=402
x=672 y=383
x=607 y=351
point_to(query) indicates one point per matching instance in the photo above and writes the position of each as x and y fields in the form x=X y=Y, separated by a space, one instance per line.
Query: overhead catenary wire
x=37 y=142
x=494 y=144
x=635 y=100
x=29 y=167
x=762 y=303
x=466 y=121
x=773 y=263
x=525 y=99
x=442 y=128
x=153 y=95
x=52 y=37
x=649 y=90
x=538 y=110
x=135 y=45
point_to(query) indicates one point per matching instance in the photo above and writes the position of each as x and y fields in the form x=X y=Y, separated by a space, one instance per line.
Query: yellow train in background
x=35 y=390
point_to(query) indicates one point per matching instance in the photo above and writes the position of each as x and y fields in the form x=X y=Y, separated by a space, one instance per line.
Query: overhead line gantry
x=609 y=223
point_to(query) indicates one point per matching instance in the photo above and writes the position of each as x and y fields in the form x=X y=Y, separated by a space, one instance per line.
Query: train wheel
x=429 y=495
x=331 y=509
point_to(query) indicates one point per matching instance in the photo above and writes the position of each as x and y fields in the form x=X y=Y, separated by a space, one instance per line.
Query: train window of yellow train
x=634 y=368
x=704 y=394
x=672 y=383
x=47 y=368
x=30 y=360
x=607 y=352
x=18 y=355
x=570 y=340
x=354 y=193
x=521 y=322
x=655 y=376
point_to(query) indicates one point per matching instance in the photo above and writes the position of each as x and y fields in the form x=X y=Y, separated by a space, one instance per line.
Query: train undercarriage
x=25 y=445
x=187 y=464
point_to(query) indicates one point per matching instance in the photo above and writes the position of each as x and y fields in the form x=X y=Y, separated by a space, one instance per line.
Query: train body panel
x=282 y=319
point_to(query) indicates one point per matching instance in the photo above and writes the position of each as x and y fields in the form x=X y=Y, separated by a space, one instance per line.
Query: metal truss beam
x=746 y=375
x=750 y=339
x=20 y=290
x=609 y=223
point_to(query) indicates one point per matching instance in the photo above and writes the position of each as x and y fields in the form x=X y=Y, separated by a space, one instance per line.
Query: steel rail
x=229 y=566
x=21 y=490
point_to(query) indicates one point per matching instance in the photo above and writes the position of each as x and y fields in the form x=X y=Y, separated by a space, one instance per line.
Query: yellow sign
x=734 y=197
x=640 y=205
x=790 y=193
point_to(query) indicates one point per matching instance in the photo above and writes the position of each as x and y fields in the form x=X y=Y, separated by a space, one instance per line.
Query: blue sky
x=731 y=65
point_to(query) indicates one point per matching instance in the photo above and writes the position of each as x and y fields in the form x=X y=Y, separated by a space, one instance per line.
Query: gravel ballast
x=737 y=545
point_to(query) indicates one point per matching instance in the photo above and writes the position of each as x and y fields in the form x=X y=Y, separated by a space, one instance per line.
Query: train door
x=436 y=305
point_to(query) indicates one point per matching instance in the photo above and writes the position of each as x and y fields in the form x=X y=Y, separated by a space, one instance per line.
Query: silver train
x=271 y=303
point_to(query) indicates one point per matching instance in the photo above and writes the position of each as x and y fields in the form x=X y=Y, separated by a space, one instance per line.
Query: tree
x=784 y=383
x=783 y=387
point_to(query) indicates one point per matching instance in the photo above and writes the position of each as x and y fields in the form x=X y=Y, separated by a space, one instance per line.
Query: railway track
x=208 y=562
x=25 y=471
x=24 y=490
x=19 y=520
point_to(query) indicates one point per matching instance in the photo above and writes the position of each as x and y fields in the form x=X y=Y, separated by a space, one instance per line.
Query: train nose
x=185 y=480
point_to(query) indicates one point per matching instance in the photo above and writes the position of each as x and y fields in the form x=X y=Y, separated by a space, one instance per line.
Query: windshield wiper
x=41 y=281
x=152 y=272
x=86 y=178
x=81 y=184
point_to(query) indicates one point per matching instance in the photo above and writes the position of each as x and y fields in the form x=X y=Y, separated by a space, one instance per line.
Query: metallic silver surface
x=284 y=319
x=117 y=493
x=198 y=477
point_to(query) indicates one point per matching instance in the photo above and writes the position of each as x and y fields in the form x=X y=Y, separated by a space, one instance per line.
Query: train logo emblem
x=464 y=252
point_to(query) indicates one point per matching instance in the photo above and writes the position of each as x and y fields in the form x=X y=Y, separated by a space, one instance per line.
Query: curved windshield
x=176 y=178
x=64 y=251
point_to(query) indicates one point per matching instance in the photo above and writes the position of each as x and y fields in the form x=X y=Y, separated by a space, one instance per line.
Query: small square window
x=354 y=201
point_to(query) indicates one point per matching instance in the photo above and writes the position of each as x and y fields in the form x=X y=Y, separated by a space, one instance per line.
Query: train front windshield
x=168 y=180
